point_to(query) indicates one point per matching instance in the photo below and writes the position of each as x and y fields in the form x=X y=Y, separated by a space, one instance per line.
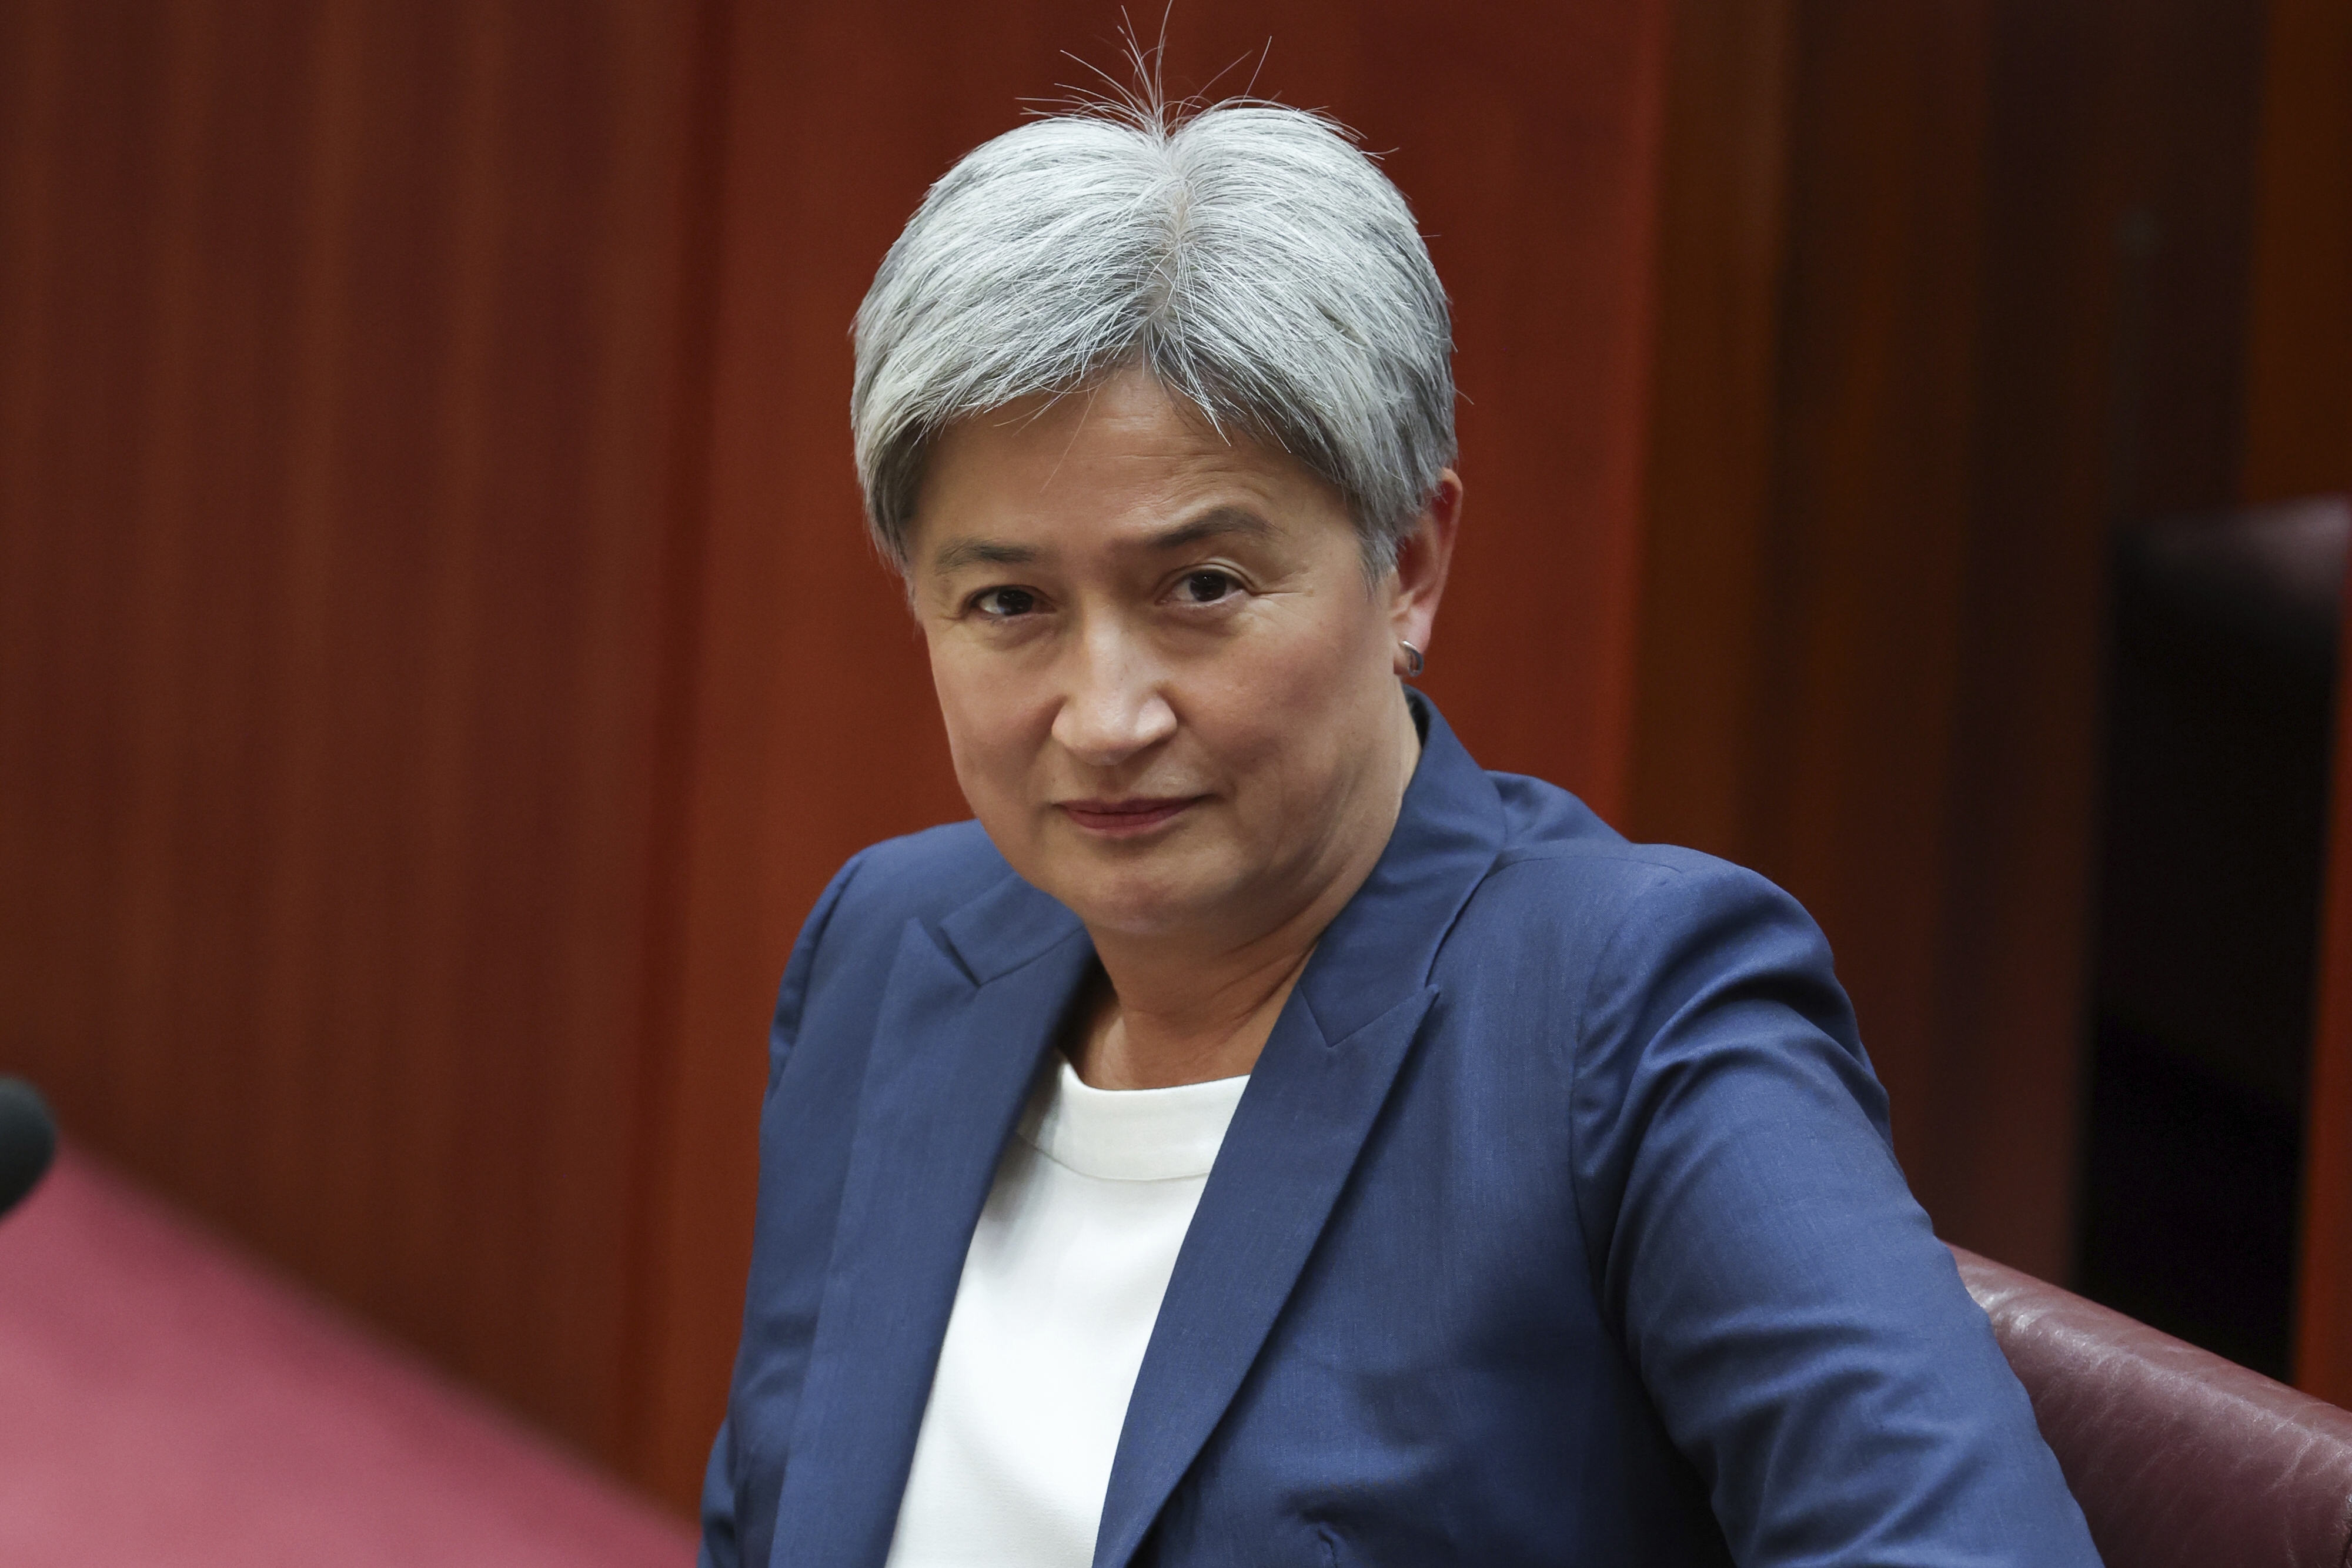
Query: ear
x=1424 y=558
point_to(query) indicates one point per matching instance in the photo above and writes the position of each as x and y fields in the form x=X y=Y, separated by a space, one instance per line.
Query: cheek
x=982 y=710
x=964 y=704
x=1293 y=708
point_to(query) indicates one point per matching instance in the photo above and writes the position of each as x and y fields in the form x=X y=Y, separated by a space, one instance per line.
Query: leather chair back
x=2177 y=1456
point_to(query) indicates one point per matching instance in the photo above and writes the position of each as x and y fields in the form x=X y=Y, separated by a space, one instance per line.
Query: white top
x=1059 y=1292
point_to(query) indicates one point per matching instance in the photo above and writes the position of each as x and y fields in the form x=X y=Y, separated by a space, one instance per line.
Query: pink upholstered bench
x=169 y=1405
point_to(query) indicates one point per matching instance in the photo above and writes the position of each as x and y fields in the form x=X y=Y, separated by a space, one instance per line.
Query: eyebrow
x=982 y=552
x=1218 y=523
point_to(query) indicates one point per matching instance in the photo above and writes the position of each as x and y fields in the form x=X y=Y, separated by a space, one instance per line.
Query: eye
x=1003 y=603
x=1207 y=587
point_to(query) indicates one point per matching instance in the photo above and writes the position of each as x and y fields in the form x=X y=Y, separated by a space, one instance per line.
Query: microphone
x=28 y=1141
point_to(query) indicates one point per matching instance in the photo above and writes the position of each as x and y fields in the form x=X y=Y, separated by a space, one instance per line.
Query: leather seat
x=2176 y=1456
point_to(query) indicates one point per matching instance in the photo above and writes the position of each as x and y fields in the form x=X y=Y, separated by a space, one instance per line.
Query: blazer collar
x=974 y=1006
x=1449 y=830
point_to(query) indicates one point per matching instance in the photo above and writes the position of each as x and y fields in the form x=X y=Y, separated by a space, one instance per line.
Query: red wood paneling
x=1712 y=440
x=2299 y=389
x=339 y=361
x=1806 y=611
x=1861 y=624
x=2299 y=443
x=2322 y=1350
x=1905 y=378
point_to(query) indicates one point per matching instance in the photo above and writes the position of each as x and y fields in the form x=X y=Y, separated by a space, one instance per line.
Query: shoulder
x=1562 y=873
x=924 y=875
x=846 y=946
x=1597 y=944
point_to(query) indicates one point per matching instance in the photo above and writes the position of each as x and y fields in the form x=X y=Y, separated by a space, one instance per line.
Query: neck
x=1187 y=1008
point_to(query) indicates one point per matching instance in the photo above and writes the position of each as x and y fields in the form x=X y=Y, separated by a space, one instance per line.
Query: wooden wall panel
x=1712 y=440
x=339 y=365
x=1526 y=140
x=1944 y=290
x=1916 y=353
x=1996 y=1139
x=2299 y=443
x=2323 y=1349
x=1805 y=610
x=1861 y=624
x=2299 y=389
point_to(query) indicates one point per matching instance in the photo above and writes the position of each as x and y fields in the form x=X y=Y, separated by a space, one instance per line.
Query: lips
x=1125 y=819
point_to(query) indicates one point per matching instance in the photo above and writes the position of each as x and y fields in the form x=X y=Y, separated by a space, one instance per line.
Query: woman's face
x=1170 y=690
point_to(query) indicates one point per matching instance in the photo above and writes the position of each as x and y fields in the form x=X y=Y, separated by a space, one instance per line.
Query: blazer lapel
x=1312 y=1101
x=970 y=1012
x=1309 y=1105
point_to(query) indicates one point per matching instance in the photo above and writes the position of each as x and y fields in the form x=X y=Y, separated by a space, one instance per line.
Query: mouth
x=1126 y=818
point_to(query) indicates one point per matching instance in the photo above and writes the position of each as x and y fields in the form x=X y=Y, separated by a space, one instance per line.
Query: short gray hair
x=1249 y=255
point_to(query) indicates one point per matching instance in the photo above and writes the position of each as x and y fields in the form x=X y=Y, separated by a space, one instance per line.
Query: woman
x=1262 y=1137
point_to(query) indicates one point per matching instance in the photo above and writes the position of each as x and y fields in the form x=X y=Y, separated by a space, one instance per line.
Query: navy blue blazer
x=1558 y=1224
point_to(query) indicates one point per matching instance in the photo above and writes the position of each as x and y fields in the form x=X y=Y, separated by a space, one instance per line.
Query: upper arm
x=1803 y=1335
x=791 y=995
x=720 y=1545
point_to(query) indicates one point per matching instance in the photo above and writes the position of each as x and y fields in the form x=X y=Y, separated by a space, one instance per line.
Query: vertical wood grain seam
x=2323 y=1343
x=668 y=879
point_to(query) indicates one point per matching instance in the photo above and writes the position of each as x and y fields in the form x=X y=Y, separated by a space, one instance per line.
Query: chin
x=1132 y=901
x=1132 y=912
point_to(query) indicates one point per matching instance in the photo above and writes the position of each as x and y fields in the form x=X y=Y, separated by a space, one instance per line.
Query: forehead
x=1120 y=460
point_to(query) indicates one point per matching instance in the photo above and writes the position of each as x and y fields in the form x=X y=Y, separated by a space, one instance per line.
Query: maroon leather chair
x=2177 y=1456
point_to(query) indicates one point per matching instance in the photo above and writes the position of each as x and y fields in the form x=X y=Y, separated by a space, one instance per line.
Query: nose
x=1113 y=707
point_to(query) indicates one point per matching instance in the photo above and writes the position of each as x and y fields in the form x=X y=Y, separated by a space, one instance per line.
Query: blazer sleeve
x=1803 y=1335
x=720 y=1545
